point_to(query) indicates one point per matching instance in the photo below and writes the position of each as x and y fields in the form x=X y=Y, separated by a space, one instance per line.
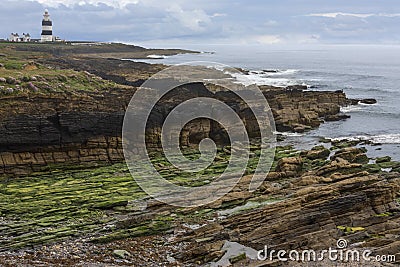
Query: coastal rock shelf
x=297 y=110
x=312 y=204
x=68 y=199
x=38 y=129
x=307 y=201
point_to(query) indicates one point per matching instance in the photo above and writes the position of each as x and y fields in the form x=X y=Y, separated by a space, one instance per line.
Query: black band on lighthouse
x=47 y=23
x=47 y=32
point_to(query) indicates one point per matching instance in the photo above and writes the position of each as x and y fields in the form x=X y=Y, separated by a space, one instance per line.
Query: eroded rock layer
x=38 y=130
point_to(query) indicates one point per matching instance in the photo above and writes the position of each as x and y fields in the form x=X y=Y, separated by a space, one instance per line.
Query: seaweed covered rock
x=352 y=155
x=318 y=152
x=383 y=159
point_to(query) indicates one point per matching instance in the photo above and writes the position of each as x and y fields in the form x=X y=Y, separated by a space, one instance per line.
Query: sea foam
x=376 y=139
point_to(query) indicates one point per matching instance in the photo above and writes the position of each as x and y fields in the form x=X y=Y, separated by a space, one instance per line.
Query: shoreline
x=69 y=198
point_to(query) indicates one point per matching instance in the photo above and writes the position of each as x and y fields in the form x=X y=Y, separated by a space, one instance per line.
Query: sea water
x=360 y=71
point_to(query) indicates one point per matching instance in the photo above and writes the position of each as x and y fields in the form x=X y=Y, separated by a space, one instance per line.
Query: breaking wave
x=376 y=139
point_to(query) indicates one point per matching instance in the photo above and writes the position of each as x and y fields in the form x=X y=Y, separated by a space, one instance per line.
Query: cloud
x=338 y=14
x=113 y=3
x=267 y=39
x=209 y=21
x=390 y=15
x=271 y=23
x=216 y=15
x=195 y=20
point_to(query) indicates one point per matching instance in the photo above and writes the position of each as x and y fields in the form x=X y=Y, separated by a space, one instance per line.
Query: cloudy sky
x=210 y=21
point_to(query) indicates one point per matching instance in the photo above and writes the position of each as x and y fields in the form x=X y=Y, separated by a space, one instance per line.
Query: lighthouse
x=47 y=28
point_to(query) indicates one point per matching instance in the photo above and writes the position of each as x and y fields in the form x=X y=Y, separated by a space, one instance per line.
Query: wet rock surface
x=68 y=200
x=313 y=210
x=303 y=204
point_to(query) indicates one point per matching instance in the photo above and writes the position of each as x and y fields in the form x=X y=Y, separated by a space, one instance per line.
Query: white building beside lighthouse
x=47 y=28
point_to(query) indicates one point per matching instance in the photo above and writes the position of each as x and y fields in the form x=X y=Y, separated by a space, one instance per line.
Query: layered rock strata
x=39 y=130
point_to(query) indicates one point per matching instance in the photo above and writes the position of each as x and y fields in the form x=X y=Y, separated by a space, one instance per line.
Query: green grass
x=21 y=66
x=13 y=65
x=50 y=80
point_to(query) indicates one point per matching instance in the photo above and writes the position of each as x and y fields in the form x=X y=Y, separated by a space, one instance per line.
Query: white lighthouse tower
x=47 y=28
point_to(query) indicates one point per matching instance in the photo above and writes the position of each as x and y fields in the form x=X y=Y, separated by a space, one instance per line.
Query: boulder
x=352 y=155
x=11 y=80
x=122 y=254
x=336 y=117
x=291 y=166
x=338 y=165
x=383 y=159
x=318 y=152
x=368 y=101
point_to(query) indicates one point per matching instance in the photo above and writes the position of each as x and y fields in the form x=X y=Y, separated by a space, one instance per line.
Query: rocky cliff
x=298 y=110
x=37 y=130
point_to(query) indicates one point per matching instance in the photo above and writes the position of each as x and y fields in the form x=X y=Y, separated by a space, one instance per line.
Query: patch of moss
x=48 y=206
x=155 y=227
x=372 y=168
x=237 y=258
x=13 y=65
x=390 y=164
x=385 y=214
x=349 y=230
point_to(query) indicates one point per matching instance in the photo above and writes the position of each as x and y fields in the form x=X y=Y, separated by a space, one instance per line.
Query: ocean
x=360 y=71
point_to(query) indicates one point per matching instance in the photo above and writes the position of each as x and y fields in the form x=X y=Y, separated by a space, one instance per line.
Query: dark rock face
x=61 y=129
x=69 y=129
x=29 y=131
x=296 y=110
x=336 y=117
x=369 y=101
